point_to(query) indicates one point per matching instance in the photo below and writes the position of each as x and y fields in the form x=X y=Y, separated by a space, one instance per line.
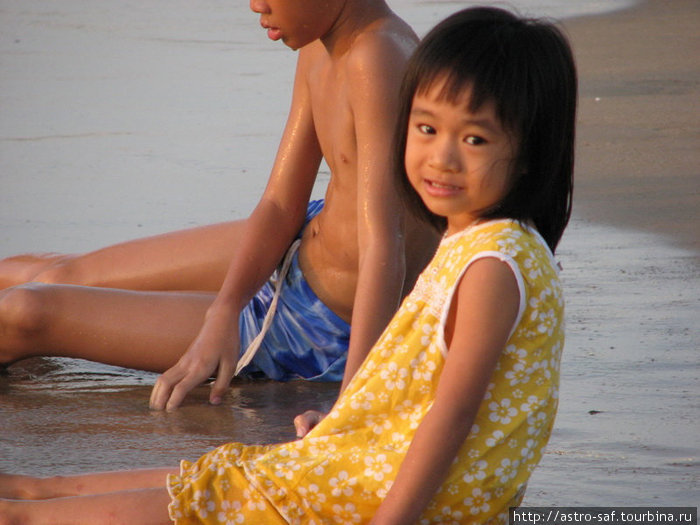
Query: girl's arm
x=268 y=233
x=482 y=314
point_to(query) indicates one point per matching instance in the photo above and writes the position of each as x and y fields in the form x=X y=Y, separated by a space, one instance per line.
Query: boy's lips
x=273 y=33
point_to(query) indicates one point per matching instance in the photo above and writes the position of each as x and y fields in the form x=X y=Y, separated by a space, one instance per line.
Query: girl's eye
x=473 y=140
x=426 y=129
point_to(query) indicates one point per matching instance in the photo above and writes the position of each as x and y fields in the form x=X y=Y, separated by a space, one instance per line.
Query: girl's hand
x=303 y=423
x=213 y=351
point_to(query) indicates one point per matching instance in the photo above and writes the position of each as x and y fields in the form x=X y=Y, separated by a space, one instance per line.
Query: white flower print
x=383 y=491
x=286 y=469
x=423 y=367
x=518 y=354
x=526 y=452
x=536 y=423
x=202 y=503
x=477 y=470
x=502 y=412
x=489 y=391
x=346 y=514
x=495 y=438
x=290 y=452
x=533 y=268
x=509 y=246
x=230 y=513
x=507 y=470
x=410 y=411
x=254 y=500
x=319 y=446
x=474 y=431
x=427 y=330
x=379 y=423
x=548 y=320
x=447 y=516
x=394 y=377
x=518 y=374
x=342 y=485
x=312 y=496
x=377 y=467
x=531 y=404
x=478 y=502
x=362 y=401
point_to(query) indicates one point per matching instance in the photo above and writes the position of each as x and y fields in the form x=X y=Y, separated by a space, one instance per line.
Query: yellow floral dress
x=342 y=470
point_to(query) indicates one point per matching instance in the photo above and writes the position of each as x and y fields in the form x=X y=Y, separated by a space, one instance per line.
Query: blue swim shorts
x=305 y=340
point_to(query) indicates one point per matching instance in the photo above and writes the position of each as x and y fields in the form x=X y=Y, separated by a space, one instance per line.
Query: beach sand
x=638 y=162
x=627 y=429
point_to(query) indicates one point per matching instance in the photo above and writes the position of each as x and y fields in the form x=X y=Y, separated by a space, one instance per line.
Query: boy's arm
x=268 y=232
x=481 y=318
x=375 y=72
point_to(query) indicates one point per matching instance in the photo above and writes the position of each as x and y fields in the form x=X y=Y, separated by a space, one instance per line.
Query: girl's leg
x=32 y=488
x=192 y=259
x=132 y=507
x=144 y=330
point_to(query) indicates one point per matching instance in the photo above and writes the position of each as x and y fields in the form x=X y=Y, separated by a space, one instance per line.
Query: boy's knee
x=23 y=311
x=62 y=272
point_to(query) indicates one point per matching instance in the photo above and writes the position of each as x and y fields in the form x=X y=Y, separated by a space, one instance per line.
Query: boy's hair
x=526 y=68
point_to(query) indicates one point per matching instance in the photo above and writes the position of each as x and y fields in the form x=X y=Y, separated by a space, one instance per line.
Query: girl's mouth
x=440 y=189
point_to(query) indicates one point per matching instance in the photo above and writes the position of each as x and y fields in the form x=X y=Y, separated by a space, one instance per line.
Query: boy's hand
x=213 y=351
x=303 y=423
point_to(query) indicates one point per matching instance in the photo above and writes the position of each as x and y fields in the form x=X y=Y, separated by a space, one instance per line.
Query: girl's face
x=460 y=162
x=296 y=22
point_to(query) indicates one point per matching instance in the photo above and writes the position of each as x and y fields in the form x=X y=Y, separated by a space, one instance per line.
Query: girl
x=448 y=416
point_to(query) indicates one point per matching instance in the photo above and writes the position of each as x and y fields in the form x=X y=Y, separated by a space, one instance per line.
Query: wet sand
x=627 y=429
x=626 y=433
x=638 y=164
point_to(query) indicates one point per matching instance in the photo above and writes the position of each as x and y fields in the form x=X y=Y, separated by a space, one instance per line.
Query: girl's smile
x=458 y=160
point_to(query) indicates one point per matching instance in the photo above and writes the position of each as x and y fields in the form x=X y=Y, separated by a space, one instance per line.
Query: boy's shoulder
x=383 y=42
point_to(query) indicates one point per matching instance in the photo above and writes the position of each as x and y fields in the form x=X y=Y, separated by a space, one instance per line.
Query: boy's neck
x=353 y=18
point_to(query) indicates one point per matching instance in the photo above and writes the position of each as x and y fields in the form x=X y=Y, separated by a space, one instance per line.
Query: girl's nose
x=445 y=156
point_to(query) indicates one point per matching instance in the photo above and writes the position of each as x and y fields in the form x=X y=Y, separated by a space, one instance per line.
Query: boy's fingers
x=222 y=382
x=181 y=389
x=163 y=387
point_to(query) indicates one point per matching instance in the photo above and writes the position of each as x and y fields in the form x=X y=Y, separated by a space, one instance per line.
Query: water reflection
x=62 y=415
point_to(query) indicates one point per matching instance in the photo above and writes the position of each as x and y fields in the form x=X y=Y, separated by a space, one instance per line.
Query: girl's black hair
x=526 y=68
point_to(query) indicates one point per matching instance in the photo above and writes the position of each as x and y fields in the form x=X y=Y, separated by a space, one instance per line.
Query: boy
x=352 y=260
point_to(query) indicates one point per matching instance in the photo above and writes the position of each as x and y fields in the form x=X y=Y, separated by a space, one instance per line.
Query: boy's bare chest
x=333 y=118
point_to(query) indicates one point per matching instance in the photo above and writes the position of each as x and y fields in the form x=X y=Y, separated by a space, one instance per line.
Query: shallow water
x=97 y=146
x=626 y=431
x=61 y=415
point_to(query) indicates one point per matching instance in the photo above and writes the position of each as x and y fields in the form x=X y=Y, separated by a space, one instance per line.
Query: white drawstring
x=247 y=357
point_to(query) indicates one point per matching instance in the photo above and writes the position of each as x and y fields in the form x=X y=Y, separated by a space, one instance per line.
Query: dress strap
x=247 y=357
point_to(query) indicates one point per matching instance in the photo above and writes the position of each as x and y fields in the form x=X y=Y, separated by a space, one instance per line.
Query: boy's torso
x=329 y=253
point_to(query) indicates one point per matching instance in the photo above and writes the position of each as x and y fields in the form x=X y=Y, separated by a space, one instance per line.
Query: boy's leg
x=132 y=507
x=33 y=488
x=144 y=330
x=192 y=259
